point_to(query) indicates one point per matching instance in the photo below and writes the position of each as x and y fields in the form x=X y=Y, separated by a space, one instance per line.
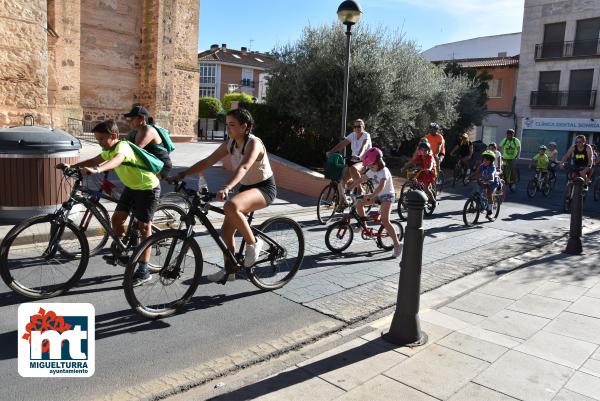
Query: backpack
x=151 y=163
x=334 y=167
x=165 y=137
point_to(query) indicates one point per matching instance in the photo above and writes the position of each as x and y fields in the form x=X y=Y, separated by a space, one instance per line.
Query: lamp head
x=349 y=12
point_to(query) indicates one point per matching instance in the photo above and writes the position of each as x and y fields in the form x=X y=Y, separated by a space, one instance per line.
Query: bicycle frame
x=369 y=231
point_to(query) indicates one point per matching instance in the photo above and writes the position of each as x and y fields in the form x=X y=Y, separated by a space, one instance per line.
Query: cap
x=138 y=111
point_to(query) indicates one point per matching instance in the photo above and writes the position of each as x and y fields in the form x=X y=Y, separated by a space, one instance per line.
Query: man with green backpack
x=150 y=136
x=137 y=169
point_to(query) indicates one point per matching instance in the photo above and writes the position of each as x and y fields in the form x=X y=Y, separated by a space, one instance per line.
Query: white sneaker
x=252 y=252
x=218 y=276
x=397 y=251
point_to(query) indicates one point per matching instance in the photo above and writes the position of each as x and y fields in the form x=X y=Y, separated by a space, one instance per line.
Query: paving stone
x=491 y=336
x=473 y=346
x=586 y=306
x=437 y=370
x=596 y=354
x=582 y=276
x=295 y=390
x=352 y=364
x=524 y=377
x=481 y=304
x=539 y=306
x=592 y=367
x=565 y=292
x=515 y=324
x=467 y=317
x=473 y=391
x=436 y=317
x=594 y=291
x=577 y=326
x=384 y=388
x=556 y=348
x=434 y=333
x=507 y=288
x=585 y=384
x=568 y=395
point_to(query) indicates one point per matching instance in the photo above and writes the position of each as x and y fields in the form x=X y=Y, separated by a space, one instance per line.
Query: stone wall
x=23 y=61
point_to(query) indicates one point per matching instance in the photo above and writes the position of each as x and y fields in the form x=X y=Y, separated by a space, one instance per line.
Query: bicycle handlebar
x=71 y=172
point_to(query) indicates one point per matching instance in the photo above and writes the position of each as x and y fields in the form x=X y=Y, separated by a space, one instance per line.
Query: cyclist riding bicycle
x=142 y=188
x=464 y=148
x=492 y=147
x=542 y=162
x=425 y=162
x=552 y=156
x=582 y=159
x=359 y=141
x=488 y=178
x=251 y=169
x=383 y=193
x=511 y=149
x=437 y=144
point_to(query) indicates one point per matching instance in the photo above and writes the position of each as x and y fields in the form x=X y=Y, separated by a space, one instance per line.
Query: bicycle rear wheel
x=328 y=203
x=496 y=205
x=339 y=236
x=439 y=181
x=172 y=286
x=384 y=240
x=471 y=212
x=281 y=256
x=43 y=258
x=457 y=174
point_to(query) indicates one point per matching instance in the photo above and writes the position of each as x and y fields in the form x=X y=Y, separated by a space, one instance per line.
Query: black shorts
x=142 y=202
x=350 y=162
x=267 y=188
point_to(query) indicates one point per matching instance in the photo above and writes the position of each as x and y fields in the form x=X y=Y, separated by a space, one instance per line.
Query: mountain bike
x=538 y=183
x=412 y=184
x=179 y=259
x=460 y=174
x=45 y=256
x=340 y=234
x=478 y=203
x=329 y=202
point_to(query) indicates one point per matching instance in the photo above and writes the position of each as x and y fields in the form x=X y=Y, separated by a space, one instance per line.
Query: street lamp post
x=349 y=13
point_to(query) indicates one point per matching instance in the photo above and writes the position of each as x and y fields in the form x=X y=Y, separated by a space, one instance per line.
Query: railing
x=209 y=135
x=579 y=48
x=563 y=99
x=247 y=82
x=81 y=129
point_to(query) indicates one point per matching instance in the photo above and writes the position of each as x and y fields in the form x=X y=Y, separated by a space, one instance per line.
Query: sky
x=262 y=25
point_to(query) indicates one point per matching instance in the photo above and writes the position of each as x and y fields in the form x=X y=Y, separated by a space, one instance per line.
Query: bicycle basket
x=334 y=167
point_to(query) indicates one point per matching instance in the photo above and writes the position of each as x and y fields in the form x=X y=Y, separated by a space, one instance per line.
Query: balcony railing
x=247 y=83
x=580 y=48
x=563 y=99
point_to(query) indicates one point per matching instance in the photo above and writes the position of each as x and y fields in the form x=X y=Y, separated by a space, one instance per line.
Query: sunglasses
x=358 y=126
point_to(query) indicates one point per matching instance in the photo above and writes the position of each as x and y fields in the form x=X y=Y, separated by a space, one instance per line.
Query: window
x=208 y=73
x=580 y=87
x=204 y=92
x=587 y=37
x=548 y=89
x=554 y=36
x=247 y=75
x=495 y=88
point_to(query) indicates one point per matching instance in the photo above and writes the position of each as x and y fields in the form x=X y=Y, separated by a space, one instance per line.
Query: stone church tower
x=93 y=59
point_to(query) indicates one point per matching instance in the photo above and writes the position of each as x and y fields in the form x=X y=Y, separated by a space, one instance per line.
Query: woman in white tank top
x=252 y=170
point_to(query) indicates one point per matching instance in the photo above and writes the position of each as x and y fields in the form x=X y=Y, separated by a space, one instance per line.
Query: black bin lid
x=29 y=139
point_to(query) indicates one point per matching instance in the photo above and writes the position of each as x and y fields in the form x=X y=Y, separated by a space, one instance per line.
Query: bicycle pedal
x=109 y=259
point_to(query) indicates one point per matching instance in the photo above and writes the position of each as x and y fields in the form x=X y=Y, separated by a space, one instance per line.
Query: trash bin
x=29 y=183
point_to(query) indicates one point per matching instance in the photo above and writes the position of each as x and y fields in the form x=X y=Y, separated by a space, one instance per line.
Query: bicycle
x=460 y=174
x=329 y=202
x=538 y=183
x=44 y=256
x=478 y=203
x=412 y=185
x=570 y=191
x=339 y=235
x=180 y=261
x=507 y=171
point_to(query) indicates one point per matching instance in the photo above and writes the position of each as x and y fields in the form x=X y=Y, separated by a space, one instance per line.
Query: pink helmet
x=371 y=156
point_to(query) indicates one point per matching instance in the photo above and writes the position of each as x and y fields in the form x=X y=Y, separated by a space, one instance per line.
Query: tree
x=392 y=88
x=209 y=107
x=232 y=97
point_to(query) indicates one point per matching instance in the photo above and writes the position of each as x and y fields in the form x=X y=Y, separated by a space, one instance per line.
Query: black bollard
x=574 y=246
x=405 y=329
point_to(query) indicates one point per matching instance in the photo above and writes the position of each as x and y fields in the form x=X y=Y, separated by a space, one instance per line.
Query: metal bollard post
x=574 y=246
x=405 y=328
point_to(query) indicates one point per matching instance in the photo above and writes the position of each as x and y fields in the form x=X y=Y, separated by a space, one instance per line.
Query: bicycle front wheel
x=384 y=240
x=567 y=198
x=339 y=236
x=328 y=203
x=43 y=258
x=471 y=212
x=282 y=254
x=402 y=210
x=531 y=187
x=179 y=260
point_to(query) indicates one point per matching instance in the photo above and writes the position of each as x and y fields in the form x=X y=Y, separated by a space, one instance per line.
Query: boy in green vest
x=142 y=188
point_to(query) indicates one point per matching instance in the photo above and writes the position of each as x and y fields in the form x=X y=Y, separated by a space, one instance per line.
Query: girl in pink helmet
x=383 y=193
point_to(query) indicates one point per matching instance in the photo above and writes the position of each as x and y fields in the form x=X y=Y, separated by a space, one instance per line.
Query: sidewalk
x=531 y=334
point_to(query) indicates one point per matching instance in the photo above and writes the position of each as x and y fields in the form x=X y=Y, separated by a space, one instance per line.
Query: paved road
x=329 y=289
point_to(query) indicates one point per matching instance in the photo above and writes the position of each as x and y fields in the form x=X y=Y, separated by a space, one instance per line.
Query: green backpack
x=334 y=167
x=165 y=137
x=151 y=163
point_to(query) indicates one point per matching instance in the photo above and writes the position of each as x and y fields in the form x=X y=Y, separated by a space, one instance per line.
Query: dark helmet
x=433 y=127
x=510 y=131
x=424 y=145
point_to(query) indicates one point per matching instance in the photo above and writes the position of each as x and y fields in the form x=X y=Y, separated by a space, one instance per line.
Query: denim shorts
x=386 y=198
